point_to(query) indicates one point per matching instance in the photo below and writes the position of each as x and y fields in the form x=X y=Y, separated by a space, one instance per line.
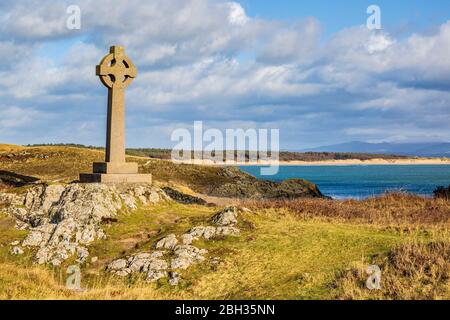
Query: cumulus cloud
x=209 y=60
x=28 y=20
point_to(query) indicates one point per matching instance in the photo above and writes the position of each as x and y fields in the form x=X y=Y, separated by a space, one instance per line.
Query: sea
x=360 y=181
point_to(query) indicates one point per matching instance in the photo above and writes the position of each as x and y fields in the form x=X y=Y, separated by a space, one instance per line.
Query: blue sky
x=309 y=68
x=336 y=15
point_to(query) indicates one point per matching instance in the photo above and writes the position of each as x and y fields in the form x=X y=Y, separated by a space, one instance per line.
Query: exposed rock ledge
x=175 y=253
x=64 y=219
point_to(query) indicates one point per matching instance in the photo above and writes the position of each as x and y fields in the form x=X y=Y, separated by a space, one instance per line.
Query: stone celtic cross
x=116 y=72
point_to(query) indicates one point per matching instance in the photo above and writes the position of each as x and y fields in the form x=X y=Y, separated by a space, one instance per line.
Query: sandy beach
x=348 y=162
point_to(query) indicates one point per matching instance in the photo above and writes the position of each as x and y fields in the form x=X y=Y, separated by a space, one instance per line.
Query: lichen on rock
x=180 y=256
x=64 y=220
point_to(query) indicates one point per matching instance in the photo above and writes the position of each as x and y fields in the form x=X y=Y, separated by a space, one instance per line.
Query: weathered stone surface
x=16 y=251
x=244 y=186
x=154 y=275
x=182 y=255
x=118 y=264
x=182 y=197
x=228 y=231
x=187 y=239
x=64 y=219
x=168 y=242
x=203 y=232
x=185 y=256
x=151 y=263
x=174 y=278
x=227 y=217
x=129 y=201
x=115 y=178
x=83 y=254
x=11 y=199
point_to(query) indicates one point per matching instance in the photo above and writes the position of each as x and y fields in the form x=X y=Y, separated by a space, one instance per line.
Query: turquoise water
x=365 y=181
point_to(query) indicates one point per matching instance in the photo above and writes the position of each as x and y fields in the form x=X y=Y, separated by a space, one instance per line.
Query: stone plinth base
x=115 y=178
x=115 y=167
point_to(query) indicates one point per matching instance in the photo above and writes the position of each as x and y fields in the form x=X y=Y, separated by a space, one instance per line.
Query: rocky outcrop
x=64 y=219
x=175 y=253
x=183 y=198
x=227 y=217
x=11 y=179
x=245 y=186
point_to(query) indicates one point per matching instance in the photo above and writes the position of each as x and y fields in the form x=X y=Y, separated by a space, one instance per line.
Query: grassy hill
x=307 y=248
x=165 y=154
x=63 y=164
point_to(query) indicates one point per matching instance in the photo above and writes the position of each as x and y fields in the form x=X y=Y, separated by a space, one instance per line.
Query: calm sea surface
x=365 y=181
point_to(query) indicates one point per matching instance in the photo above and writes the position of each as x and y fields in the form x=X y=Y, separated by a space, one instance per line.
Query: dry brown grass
x=391 y=209
x=414 y=271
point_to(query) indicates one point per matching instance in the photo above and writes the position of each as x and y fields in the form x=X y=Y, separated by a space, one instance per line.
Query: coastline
x=348 y=162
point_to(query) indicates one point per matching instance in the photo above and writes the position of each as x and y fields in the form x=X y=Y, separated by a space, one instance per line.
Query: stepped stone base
x=115 y=178
x=115 y=167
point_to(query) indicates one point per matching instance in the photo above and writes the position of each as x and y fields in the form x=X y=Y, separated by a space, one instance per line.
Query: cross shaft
x=116 y=72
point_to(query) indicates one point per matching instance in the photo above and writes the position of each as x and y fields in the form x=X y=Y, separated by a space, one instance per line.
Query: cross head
x=116 y=70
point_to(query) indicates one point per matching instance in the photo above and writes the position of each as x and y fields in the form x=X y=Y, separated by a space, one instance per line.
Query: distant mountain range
x=428 y=149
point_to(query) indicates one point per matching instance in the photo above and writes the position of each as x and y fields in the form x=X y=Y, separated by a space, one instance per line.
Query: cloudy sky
x=314 y=70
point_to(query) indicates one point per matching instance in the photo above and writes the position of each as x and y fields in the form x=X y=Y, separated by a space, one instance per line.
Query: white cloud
x=17 y=117
x=31 y=20
x=201 y=59
x=237 y=14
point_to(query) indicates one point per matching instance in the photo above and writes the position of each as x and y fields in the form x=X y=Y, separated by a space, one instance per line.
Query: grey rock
x=157 y=254
x=62 y=218
x=16 y=250
x=157 y=264
x=82 y=253
x=155 y=275
x=168 y=242
x=129 y=201
x=33 y=239
x=11 y=199
x=50 y=196
x=122 y=273
x=174 y=278
x=226 y=217
x=56 y=262
x=185 y=256
x=203 y=232
x=43 y=255
x=141 y=262
x=118 y=264
x=186 y=239
x=228 y=231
